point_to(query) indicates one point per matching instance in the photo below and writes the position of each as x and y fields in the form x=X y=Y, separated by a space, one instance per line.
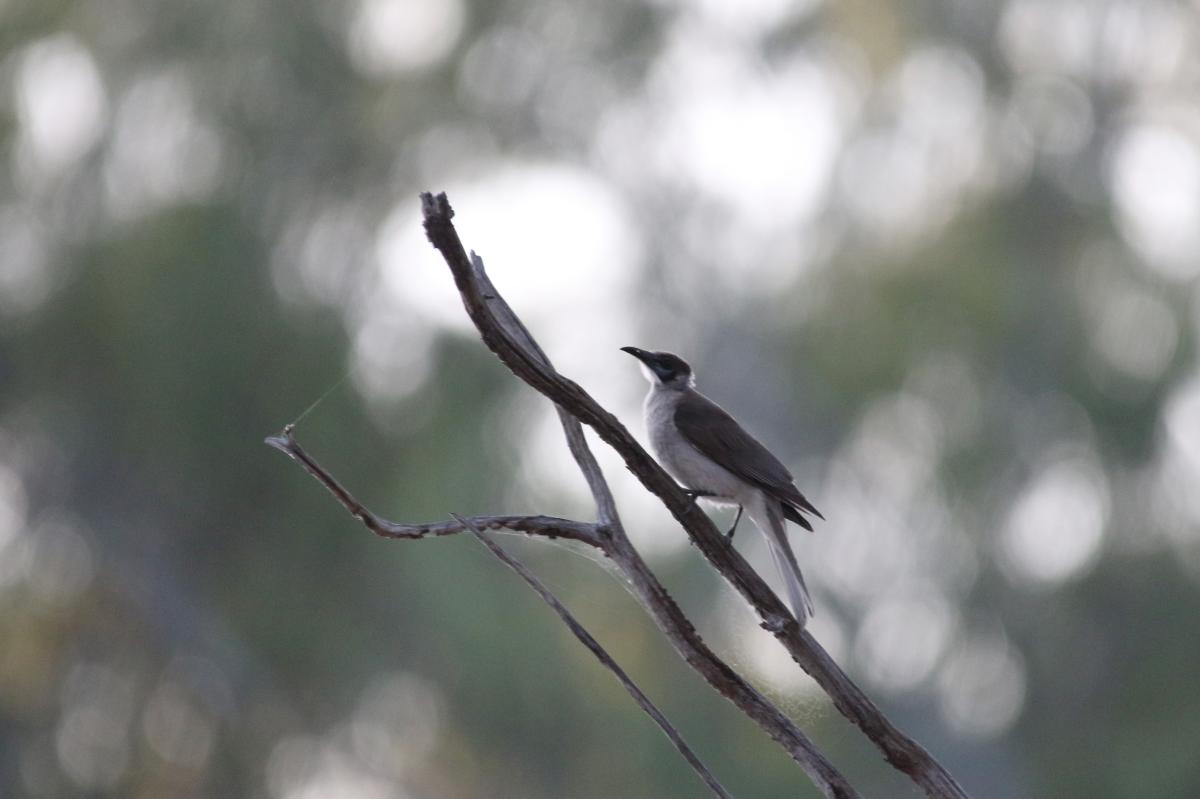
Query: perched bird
x=713 y=457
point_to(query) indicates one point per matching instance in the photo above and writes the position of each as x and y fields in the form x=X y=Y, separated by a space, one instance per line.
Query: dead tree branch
x=503 y=334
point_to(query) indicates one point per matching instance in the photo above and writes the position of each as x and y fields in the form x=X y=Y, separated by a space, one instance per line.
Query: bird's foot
x=776 y=624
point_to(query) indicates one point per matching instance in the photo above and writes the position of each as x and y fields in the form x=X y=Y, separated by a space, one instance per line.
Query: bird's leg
x=736 y=519
x=696 y=493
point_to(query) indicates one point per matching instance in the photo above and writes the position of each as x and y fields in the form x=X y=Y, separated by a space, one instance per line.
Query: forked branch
x=503 y=332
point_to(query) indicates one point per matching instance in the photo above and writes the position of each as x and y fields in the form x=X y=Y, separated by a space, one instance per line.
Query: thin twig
x=543 y=526
x=605 y=659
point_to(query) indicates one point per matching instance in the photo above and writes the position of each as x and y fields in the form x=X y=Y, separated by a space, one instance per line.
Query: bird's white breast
x=685 y=463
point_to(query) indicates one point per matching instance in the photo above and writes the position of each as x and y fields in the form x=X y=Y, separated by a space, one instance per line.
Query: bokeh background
x=943 y=256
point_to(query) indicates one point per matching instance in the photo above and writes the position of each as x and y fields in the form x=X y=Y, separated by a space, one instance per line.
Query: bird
x=713 y=457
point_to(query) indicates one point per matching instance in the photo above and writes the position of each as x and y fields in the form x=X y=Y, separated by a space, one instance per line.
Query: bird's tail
x=770 y=520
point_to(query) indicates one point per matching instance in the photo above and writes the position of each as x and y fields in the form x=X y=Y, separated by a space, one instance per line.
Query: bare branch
x=543 y=526
x=901 y=751
x=605 y=659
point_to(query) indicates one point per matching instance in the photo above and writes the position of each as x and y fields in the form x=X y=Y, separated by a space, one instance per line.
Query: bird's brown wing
x=708 y=428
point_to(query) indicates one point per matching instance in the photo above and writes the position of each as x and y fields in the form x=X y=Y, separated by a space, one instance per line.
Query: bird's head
x=663 y=368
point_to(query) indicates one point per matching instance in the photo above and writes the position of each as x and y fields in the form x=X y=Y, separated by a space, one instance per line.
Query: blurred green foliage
x=943 y=256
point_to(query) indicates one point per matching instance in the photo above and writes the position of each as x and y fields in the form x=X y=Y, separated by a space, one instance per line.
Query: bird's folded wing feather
x=708 y=428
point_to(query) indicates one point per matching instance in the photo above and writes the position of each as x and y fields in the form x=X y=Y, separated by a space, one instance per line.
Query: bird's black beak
x=641 y=355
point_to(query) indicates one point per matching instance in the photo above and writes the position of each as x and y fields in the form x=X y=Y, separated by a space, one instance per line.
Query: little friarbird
x=713 y=456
